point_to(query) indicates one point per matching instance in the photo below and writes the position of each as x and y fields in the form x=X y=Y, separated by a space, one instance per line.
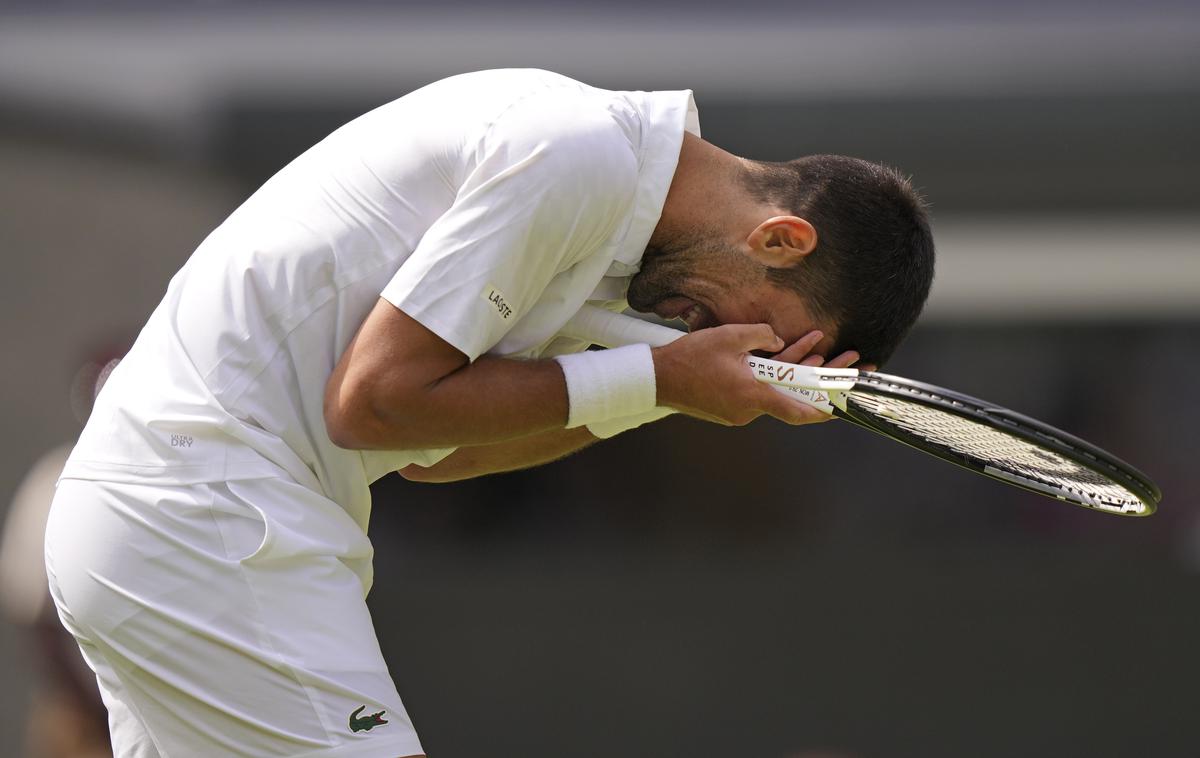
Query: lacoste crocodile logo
x=366 y=723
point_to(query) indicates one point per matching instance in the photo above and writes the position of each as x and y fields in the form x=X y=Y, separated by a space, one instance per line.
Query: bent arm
x=399 y=386
x=481 y=460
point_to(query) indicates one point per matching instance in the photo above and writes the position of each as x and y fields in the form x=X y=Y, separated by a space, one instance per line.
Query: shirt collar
x=667 y=115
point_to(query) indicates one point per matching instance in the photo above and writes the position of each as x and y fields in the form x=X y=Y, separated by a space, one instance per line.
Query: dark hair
x=872 y=267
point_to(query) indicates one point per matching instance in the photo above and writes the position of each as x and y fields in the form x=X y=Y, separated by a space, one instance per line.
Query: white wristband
x=611 y=428
x=608 y=384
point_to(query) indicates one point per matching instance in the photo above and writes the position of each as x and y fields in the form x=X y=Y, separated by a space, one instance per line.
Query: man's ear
x=782 y=241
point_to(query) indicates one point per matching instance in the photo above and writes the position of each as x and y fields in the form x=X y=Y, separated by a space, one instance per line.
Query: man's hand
x=704 y=374
x=799 y=352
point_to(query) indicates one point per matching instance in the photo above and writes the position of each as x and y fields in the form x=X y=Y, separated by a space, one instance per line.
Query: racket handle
x=822 y=388
x=802 y=377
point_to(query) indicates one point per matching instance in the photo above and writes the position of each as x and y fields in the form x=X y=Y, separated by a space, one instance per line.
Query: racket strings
x=998 y=449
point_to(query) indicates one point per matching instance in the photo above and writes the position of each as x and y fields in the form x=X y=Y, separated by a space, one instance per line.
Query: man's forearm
x=492 y=400
x=480 y=460
x=399 y=386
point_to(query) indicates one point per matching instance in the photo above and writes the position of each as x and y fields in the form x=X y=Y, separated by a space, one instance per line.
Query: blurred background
x=686 y=589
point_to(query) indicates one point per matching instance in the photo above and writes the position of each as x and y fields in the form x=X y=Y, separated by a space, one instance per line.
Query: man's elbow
x=354 y=423
x=351 y=422
x=343 y=430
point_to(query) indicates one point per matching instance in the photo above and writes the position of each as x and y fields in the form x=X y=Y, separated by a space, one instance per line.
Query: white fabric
x=607 y=384
x=270 y=655
x=489 y=206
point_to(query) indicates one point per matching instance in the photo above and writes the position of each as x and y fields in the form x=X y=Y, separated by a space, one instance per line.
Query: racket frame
x=831 y=390
x=1010 y=422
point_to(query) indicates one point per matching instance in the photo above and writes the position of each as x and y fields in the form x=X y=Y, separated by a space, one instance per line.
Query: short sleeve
x=546 y=186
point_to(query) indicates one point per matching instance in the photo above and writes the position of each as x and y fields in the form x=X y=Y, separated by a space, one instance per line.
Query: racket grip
x=822 y=388
x=805 y=377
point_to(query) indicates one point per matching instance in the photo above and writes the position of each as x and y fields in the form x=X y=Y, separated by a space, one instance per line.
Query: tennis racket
x=972 y=433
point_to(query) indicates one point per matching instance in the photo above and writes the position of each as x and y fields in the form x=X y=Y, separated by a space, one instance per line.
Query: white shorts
x=215 y=629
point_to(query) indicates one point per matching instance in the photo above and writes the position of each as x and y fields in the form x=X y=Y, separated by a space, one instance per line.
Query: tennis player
x=390 y=301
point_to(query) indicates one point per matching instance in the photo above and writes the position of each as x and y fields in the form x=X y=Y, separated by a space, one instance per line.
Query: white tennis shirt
x=488 y=206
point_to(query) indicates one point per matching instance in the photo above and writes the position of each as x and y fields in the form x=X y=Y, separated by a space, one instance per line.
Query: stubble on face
x=689 y=265
x=664 y=268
